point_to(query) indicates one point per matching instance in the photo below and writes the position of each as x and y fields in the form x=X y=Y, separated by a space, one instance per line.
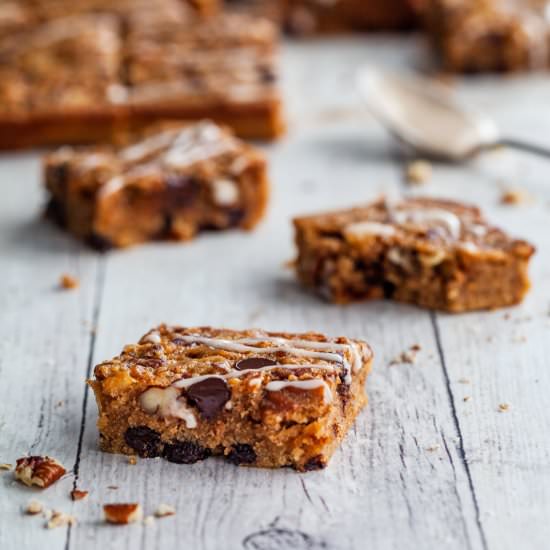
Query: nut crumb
x=409 y=356
x=113 y=487
x=464 y=381
x=41 y=471
x=149 y=520
x=467 y=398
x=418 y=172
x=78 y=495
x=515 y=197
x=33 y=507
x=433 y=448
x=164 y=510
x=5 y=466
x=132 y=460
x=503 y=407
x=68 y=282
x=60 y=519
x=122 y=513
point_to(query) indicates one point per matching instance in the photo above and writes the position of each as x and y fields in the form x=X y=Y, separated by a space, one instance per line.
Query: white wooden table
x=422 y=468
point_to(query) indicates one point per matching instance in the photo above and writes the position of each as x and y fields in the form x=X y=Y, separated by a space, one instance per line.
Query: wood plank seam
x=461 y=452
x=99 y=285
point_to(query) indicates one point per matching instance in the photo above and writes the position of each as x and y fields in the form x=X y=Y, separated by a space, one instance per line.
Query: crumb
x=418 y=172
x=78 y=495
x=433 y=448
x=467 y=398
x=59 y=404
x=506 y=316
x=503 y=407
x=515 y=197
x=409 y=356
x=34 y=507
x=5 y=466
x=60 y=519
x=122 y=513
x=113 y=487
x=149 y=520
x=464 y=381
x=164 y=510
x=68 y=282
x=132 y=460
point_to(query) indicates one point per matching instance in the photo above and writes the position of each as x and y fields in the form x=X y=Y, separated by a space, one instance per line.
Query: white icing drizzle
x=448 y=219
x=153 y=337
x=149 y=146
x=362 y=229
x=292 y=347
x=278 y=385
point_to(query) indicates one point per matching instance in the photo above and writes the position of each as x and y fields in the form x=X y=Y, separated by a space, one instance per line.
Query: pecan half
x=40 y=471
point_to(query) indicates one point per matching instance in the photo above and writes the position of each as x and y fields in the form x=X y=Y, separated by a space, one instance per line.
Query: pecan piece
x=122 y=513
x=41 y=471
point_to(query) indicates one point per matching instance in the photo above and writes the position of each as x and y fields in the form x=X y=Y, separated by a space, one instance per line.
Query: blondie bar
x=256 y=398
x=96 y=70
x=490 y=35
x=172 y=183
x=434 y=253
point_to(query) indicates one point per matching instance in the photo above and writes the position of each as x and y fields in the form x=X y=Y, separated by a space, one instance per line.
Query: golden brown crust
x=277 y=399
x=433 y=253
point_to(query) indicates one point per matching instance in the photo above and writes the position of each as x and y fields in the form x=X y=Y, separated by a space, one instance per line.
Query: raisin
x=101 y=244
x=144 y=440
x=185 y=452
x=316 y=463
x=241 y=453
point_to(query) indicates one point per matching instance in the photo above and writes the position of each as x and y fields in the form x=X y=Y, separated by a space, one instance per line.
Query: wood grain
x=422 y=468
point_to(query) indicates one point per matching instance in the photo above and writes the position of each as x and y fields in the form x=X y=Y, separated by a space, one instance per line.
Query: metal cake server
x=423 y=115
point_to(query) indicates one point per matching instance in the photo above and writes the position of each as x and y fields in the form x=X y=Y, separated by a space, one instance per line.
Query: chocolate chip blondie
x=93 y=70
x=256 y=398
x=434 y=253
x=490 y=35
x=171 y=184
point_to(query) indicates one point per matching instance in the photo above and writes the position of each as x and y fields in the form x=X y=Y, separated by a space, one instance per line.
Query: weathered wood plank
x=43 y=351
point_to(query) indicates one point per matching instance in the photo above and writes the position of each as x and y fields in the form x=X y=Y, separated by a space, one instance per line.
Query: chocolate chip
x=241 y=453
x=235 y=216
x=57 y=175
x=316 y=463
x=101 y=244
x=181 y=191
x=56 y=212
x=267 y=74
x=254 y=363
x=144 y=440
x=185 y=452
x=209 y=396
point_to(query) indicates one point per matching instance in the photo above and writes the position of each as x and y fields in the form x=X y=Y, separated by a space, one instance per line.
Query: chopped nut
x=123 y=513
x=132 y=460
x=33 y=507
x=433 y=448
x=5 y=466
x=515 y=197
x=418 y=172
x=467 y=398
x=149 y=520
x=464 y=381
x=164 y=510
x=503 y=407
x=78 y=495
x=113 y=487
x=409 y=356
x=68 y=282
x=60 y=519
x=41 y=471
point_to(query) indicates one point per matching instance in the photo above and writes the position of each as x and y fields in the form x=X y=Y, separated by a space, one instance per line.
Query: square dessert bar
x=434 y=253
x=257 y=398
x=310 y=16
x=94 y=70
x=171 y=184
x=490 y=35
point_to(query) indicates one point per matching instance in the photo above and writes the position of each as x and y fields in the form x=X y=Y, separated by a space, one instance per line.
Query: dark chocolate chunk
x=181 y=191
x=101 y=244
x=235 y=216
x=254 y=363
x=316 y=463
x=56 y=212
x=144 y=440
x=241 y=453
x=209 y=396
x=185 y=452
